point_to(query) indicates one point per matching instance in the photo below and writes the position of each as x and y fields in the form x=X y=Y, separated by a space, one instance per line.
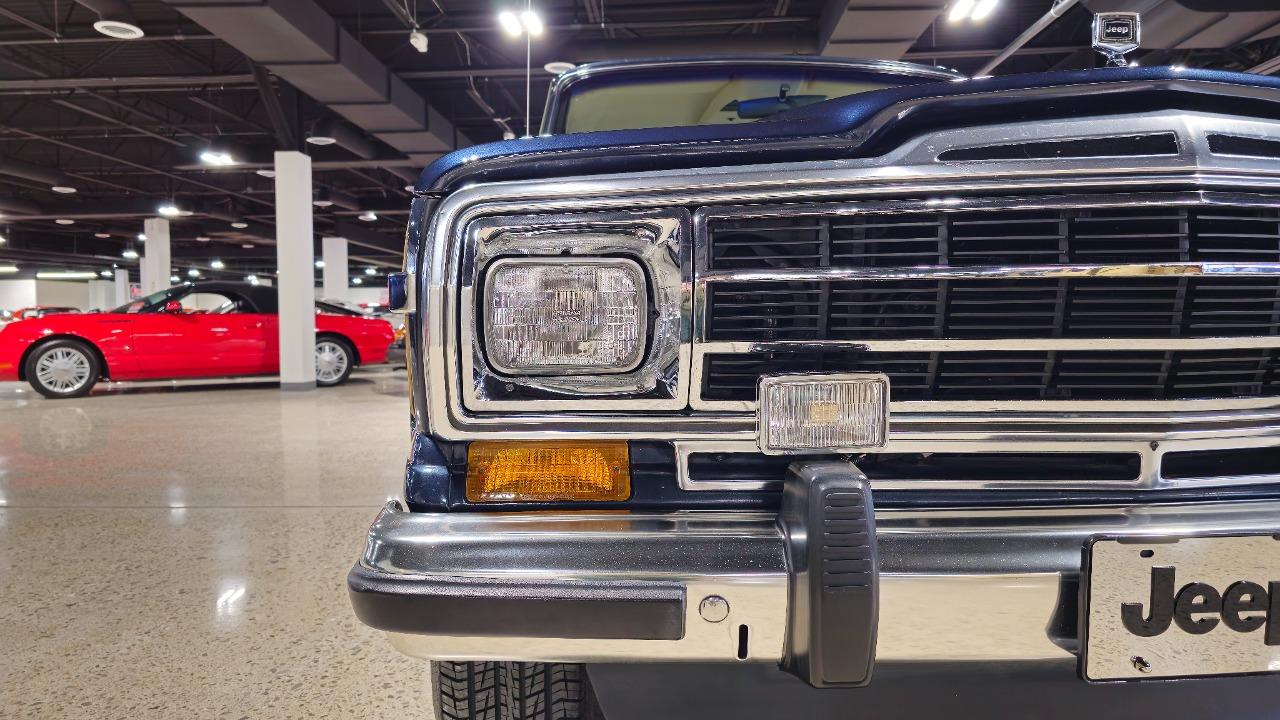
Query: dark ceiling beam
x=279 y=121
x=955 y=54
x=97 y=39
x=183 y=81
x=873 y=28
x=27 y=22
x=492 y=27
x=366 y=238
x=120 y=123
x=130 y=163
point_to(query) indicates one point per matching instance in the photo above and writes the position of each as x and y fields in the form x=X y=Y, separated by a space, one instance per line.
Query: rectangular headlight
x=565 y=315
x=823 y=413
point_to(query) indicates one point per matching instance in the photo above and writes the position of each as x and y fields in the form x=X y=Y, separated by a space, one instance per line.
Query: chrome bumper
x=955 y=585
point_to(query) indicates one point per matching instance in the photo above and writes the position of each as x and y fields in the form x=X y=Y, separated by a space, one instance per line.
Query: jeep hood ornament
x=1115 y=35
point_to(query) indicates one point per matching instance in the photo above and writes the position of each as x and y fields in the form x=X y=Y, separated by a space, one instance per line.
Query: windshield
x=701 y=96
x=150 y=301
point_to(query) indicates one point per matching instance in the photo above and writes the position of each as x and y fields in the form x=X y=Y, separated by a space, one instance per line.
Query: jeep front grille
x=1130 y=298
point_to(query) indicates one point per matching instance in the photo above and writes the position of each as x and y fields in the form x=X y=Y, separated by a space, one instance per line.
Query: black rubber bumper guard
x=828 y=521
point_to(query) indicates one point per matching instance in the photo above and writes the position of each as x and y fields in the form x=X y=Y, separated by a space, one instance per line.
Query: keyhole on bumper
x=742 y=642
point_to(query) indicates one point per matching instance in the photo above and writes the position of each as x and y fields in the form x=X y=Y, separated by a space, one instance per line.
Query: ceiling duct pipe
x=330 y=131
x=303 y=45
x=1055 y=11
x=54 y=179
x=17 y=205
x=115 y=19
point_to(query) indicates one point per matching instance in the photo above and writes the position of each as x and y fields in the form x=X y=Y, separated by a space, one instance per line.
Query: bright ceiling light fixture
x=65 y=275
x=142 y=237
x=104 y=273
x=368 y=216
x=532 y=22
x=217 y=158
x=239 y=224
x=169 y=210
x=217 y=264
x=321 y=139
x=102 y=235
x=251 y=279
x=4 y=239
x=65 y=221
x=510 y=23
x=320 y=263
x=356 y=281
x=558 y=67
x=193 y=272
x=129 y=254
x=202 y=238
x=174 y=278
x=960 y=10
x=266 y=173
x=63 y=189
x=983 y=9
x=8 y=269
x=370 y=271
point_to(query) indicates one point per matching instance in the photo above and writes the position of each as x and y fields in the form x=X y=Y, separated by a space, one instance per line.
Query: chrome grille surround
x=911 y=171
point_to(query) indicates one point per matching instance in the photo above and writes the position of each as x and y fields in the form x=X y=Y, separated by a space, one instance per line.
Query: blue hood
x=861 y=125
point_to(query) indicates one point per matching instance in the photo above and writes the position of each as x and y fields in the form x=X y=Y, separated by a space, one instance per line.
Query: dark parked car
x=797 y=387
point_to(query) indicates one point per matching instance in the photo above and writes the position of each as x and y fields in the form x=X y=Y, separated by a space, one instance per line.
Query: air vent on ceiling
x=1111 y=146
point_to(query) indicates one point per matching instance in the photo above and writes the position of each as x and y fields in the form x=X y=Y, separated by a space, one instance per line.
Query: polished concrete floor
x=181 y=553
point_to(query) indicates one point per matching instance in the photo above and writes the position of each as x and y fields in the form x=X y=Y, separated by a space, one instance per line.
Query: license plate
x=1180 y=607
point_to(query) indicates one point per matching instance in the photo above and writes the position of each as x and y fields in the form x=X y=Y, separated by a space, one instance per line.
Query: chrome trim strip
x=1150 y=450
x=910 y=171
x=1020 y=271
x=941 y=573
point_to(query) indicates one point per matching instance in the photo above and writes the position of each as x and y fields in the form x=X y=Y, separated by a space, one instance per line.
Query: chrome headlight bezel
x=657 y=241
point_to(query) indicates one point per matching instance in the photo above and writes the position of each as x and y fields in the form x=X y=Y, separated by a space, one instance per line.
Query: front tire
x=63 y=369
x=334 y=361
x=512 y=691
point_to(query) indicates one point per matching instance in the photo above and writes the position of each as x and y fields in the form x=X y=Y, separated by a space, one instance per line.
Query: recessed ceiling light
x=356 y=281
x=217 y=264
x=174 y=278
x=320 y=140
x=193 y=272
x=368 y=216
x=65 y=221
x=557 y=67
x=118 y=29
x=319 y=263
x=239 y=224
x=102 y=235
x=64 y=189
x=370 y=271
x=169 y=210
x=129 y=254
x=202 y=238
x=104 y=273
x=322 y=202
x=247 y=246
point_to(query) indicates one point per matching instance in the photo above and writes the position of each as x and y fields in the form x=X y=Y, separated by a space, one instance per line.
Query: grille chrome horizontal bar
x=1129 y=270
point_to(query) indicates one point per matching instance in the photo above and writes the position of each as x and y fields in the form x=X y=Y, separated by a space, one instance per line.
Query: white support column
x=155 y=259
x=121 y=286
x=336 y=275
x=295 y=263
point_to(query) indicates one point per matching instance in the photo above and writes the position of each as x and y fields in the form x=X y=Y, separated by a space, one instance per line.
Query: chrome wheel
x=64 y=369
x=331 y=362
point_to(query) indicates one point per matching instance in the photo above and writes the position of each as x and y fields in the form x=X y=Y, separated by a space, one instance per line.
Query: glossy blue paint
x=854 y=126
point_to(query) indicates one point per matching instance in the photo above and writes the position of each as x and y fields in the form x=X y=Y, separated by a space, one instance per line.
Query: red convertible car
x=205 y=329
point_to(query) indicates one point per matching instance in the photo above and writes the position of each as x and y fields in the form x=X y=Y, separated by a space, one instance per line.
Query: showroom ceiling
x=125 y=122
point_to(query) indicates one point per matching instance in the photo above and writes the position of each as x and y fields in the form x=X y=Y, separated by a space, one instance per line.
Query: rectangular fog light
x=802 y=414
x=548 y=471
x=565 y=315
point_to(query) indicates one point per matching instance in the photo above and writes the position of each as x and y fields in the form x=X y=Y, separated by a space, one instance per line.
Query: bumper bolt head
x=713 y=608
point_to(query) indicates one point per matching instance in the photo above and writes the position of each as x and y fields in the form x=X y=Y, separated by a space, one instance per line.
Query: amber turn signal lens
x=547 y=471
